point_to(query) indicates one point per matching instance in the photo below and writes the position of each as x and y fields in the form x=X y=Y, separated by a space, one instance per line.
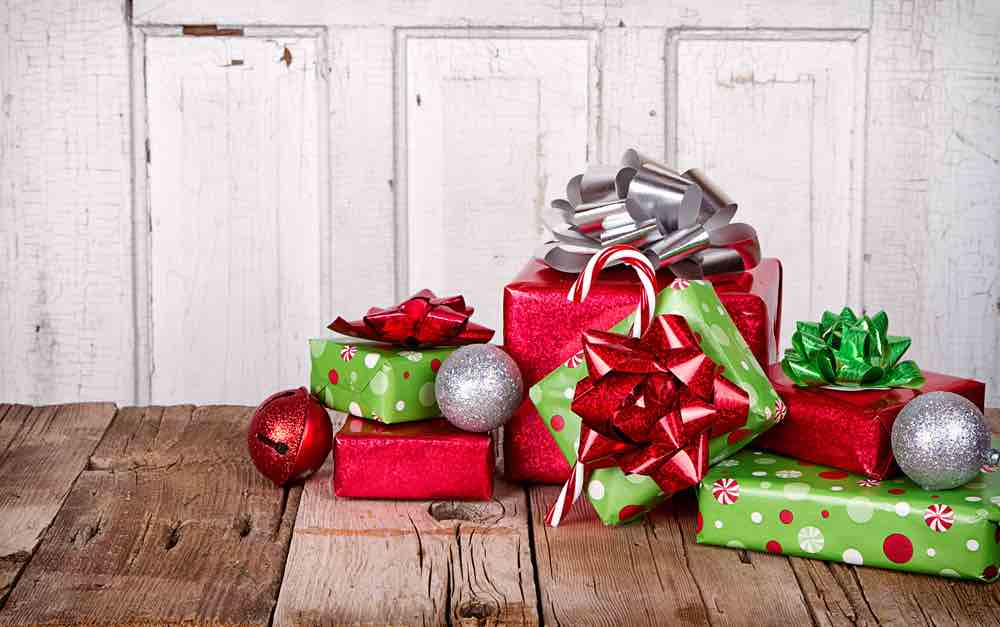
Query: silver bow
x=680 y=220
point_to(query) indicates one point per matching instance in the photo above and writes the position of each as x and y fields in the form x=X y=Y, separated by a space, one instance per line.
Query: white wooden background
x=179 y=213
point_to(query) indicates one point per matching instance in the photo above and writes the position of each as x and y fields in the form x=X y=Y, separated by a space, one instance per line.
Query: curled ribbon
x=679 y=220
x=649 y=406
x=849 y=351
x=421 y=320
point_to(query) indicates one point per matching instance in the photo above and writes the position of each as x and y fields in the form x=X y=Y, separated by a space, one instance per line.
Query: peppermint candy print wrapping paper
x=376 y=381
x=764 y=502
x=619 y=497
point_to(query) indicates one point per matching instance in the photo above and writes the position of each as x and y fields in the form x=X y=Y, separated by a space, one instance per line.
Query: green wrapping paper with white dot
x=376 y=381
x=618 y=497
x=765 y=502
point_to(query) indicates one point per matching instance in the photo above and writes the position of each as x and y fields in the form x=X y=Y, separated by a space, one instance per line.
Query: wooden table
x=156 y=516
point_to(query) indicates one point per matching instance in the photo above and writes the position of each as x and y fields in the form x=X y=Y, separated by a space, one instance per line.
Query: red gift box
x=542 y=330
x=423 y=460
x=849 y=430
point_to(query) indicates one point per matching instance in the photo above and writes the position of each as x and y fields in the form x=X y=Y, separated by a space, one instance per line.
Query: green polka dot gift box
x=765 y=502
x=620 y=497
x=376 y=381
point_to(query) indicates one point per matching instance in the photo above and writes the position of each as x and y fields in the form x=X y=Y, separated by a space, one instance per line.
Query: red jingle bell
x=290 y=436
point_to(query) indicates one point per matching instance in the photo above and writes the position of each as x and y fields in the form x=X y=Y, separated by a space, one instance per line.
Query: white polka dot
x=995 y=500
x=379 y=384
x=704 y=306
x=721 y=311
x=756 y=518
x=317 y=347
x=836 y=488
x=766 y=461
x=972 y=545
x=788 y=474
x=729 y=462
x=744 y=365
x=596 y=490
x=355 y=409
x=766 y=485
x=634 y=478
x=853 y=556
x=902 y=508
x=371 y=359
x=400 y=405
x=535 y=394
x=426 y=394
x=759 y=473
x=973 y=499
x=735 y=544
x=568 y=393
x=718 y=524
x=757 y=453
x=720 y=335
x=860 y=510
x=947 y=572
x=796 y=491
x=931 y=552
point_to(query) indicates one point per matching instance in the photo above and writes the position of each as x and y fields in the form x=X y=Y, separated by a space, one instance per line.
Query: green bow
x=851 y=352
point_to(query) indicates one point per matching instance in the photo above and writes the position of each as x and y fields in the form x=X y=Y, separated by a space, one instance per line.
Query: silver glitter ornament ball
x=940 y=440
x=478 y=387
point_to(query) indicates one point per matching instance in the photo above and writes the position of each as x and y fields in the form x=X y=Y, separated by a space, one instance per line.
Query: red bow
x=421 y=320
x=649 y=406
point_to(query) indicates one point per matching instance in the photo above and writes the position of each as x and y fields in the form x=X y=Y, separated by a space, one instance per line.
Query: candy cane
x=574 y=487
x=632 y=257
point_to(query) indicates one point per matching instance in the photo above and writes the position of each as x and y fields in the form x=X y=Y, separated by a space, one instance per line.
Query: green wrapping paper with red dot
x=376 y=381
x=765 y=502
x=616 y=496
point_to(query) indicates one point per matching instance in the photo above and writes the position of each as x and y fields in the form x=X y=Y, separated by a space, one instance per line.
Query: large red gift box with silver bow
x=542 y=330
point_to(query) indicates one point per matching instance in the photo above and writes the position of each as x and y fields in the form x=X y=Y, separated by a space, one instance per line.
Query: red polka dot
x=738 y=435
x=935 y=496
x=786 y=516
x=833 y=474
x=435 y=364
x=826 y=514
x=699 y=522
x=558 y=422
x=897 y=491
x=630 y=511
x=406 y=374
x=773 y=546
x=333 y=376
x=898 y=548
x=990 y=572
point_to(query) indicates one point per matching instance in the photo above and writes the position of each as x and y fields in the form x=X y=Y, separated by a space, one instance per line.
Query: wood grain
x=42 y=451
x=234 y=201
x=173 y=524
x=66 y=331
x=408 y=562
x=653 y=573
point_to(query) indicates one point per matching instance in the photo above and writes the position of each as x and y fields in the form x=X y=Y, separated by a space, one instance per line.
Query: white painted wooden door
x=287 y=174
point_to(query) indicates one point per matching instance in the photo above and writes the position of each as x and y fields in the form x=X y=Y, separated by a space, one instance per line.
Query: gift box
x=422 y=460
x=542 y=330
x=850 y=430
x=691 y=367
x=765 y=502
x=377 y=381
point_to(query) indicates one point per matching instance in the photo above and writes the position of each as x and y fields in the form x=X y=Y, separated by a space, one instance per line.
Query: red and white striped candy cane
x=630 y=256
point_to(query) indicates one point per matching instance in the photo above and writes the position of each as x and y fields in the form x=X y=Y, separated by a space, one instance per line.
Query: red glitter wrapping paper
x=423 y=460
x=542 y=330
x=849 y=430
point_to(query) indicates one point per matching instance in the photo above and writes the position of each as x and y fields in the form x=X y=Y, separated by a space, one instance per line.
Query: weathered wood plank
x=653 y=573
x=173 y=524
x=408 y=562
x=42 y=452
x=66 y=330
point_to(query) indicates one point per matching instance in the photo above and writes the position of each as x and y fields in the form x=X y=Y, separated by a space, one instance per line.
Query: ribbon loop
x=681 y=220
x=649 y=406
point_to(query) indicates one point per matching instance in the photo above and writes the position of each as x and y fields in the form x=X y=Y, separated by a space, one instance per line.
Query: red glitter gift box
x=542 y=330
x=423 y=460
x=849 y=430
